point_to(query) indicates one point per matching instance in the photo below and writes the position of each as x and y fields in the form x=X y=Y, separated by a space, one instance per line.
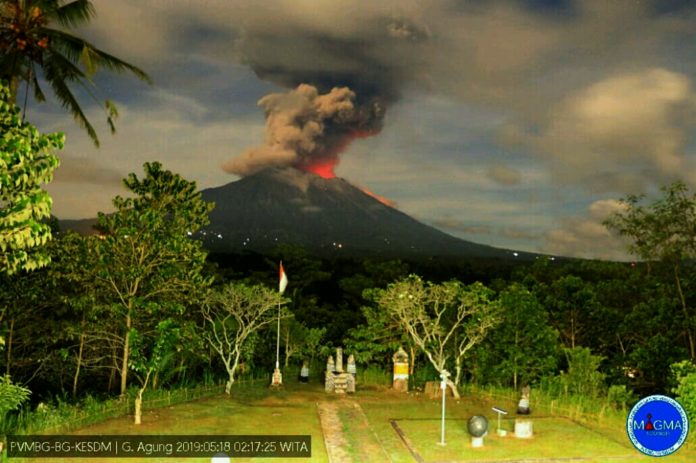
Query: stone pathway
x=332 y=426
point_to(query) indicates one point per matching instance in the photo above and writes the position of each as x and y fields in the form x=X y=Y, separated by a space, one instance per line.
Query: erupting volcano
x=324 y=168
x=308 y=130
x=279 y=206
x=288 y=206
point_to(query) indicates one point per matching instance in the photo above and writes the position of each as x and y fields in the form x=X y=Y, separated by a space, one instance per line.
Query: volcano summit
x=325 y=216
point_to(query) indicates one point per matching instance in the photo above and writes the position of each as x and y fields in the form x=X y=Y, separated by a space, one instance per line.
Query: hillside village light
x=277 y=379
x=443 y=385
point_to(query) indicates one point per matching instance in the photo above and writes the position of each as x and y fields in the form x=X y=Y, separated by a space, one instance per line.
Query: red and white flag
x=283 y=280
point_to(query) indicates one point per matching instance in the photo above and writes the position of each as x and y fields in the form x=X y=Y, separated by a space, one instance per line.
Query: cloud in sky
x=624 y=133
x=504 y=175
x=584 y=235
x=496 y=111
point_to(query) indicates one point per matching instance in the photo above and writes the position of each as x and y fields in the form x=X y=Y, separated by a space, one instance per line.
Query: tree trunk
x=514 y=363
x=79 y=365
x=458 y=374
x=111 y=379
x=687 y=320
x=139 y=407
x=412 y=367
x=14 y=89
x=287 y=347
x=126 y=353
x=9 y=347
x=182 y=370
x=137 y=419
x=455 y=390
x=231 y=371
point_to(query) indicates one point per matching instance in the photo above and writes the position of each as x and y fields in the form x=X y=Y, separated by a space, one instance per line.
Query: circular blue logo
x=657 y=425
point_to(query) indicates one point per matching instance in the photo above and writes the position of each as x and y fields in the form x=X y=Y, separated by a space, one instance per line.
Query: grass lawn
x=365 y=424
x=250 y=410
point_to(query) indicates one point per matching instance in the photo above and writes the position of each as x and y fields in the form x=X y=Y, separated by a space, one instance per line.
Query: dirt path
x=332 y=429
x=347 y=414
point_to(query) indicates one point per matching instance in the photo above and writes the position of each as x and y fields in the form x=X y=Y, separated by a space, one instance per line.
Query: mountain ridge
x=332 y=217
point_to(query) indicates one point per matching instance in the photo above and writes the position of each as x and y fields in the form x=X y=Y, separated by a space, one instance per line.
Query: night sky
x=511 y=123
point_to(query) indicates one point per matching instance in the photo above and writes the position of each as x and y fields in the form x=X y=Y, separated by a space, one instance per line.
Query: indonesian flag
x=283 y=279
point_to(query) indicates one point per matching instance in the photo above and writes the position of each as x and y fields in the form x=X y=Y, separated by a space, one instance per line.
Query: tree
x=147 y=266
x=299 y=340
x=664 y=230
x=523 y=347
x=570 y=301
x=28 y=44
x=582 y=376
x=444 y=320
x=26 y=161
x=684 y=376
x=88 y=334
x=233 y=315
x=11 y=395
x=149 y=363
x=379 y=337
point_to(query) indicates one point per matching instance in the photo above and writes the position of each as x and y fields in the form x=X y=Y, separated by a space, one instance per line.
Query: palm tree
x=28 y=44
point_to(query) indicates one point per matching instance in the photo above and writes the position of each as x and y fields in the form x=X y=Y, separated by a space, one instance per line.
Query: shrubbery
x=684 y=373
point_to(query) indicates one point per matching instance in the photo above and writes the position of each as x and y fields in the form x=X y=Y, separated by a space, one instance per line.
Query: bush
x=620 y=397
x=11 y=395
x=684 y=373
x=582 y=376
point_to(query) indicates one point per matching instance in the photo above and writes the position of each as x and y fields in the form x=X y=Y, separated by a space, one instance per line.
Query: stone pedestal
x=350 y=383
x=523 y=429
x=400 y=380
x=329 y=381
x=304 y=373
x=340 y=384
x=277 y=379
x=477 y=442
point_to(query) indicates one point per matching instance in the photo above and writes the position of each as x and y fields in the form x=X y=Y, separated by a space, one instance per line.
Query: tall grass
x=598 y=413
x=61 y=416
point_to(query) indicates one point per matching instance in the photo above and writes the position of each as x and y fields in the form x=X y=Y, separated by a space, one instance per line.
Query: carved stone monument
x=523 y=426
x=350 y=368
x=304 y=372
x=400 y=381
x=336 y=380
x=523 y=405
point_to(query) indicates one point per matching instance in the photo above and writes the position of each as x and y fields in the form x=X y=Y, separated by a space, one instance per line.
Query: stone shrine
x=400 y=381
x=337 y=380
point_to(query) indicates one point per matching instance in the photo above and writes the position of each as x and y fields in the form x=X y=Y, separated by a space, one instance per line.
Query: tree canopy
x=26 y=162
x=31 y=47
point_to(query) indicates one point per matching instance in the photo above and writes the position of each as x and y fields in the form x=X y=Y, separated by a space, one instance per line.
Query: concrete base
x=477 y=442
x=277 y=379
x=502 y=432
x=523 y=429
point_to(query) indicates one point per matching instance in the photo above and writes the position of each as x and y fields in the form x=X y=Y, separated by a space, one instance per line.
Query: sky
x=516 y=123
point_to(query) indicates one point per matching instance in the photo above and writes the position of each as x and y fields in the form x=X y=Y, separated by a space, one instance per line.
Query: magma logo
x=657 y=425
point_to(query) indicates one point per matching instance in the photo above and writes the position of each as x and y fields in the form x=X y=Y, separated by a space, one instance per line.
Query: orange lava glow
x=324 y=168
x=381 y=199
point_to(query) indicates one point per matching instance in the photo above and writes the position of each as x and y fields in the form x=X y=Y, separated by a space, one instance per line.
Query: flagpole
x=277 y=379
x=278 y=339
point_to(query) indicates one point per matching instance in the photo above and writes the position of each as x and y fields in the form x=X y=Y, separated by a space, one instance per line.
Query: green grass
x=255 y=409
x=62 y=416
x=554 y=436
x=252 y=409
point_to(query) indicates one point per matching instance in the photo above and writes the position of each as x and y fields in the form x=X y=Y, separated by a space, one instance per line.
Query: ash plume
x=305 y=128
x=341 y=86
